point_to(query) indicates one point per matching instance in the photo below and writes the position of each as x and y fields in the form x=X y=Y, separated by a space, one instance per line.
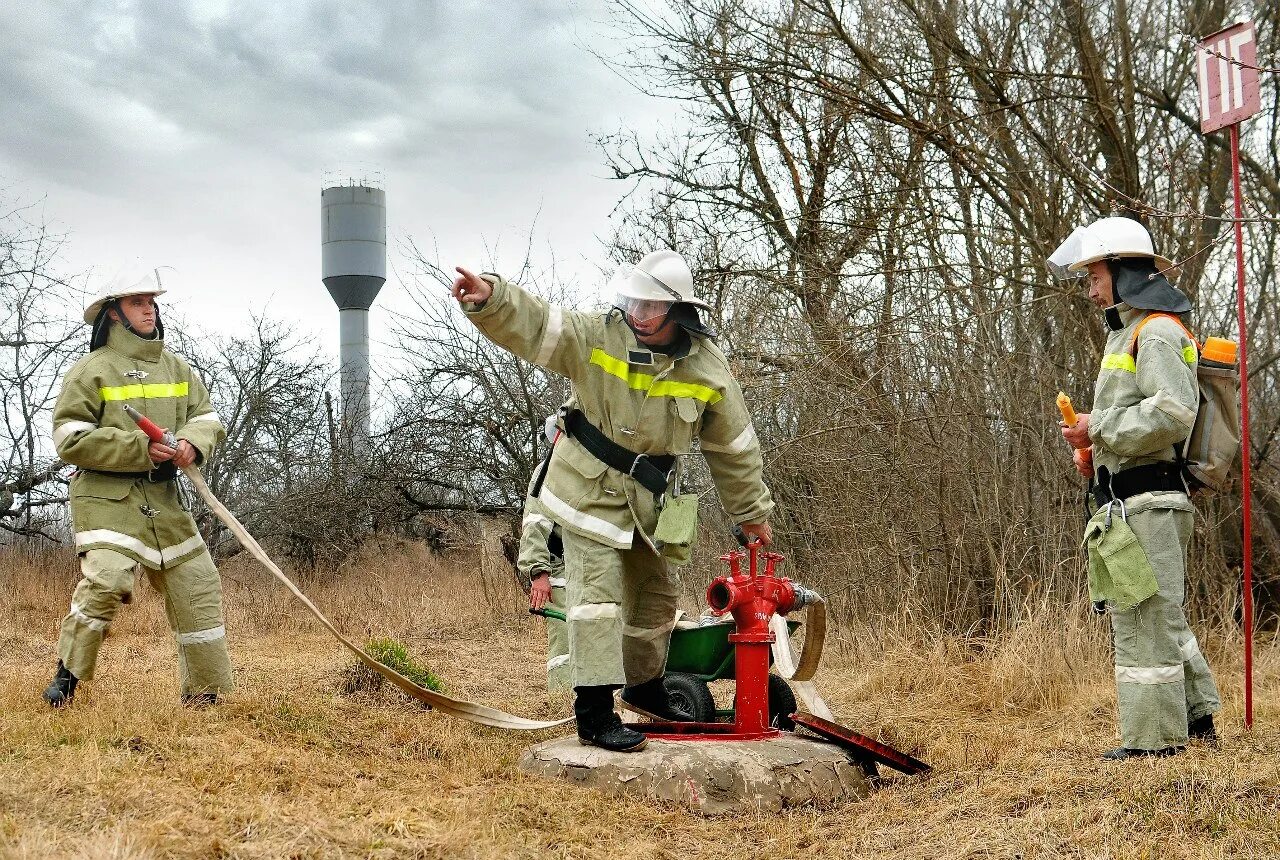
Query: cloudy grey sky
x=197 y=133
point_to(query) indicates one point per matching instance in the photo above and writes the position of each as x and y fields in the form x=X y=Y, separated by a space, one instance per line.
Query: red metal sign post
x=1227 y=71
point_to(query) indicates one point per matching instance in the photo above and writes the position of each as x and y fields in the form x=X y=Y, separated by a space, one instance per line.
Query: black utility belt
x=164 y=472
x=1152 y=478
x=652 y=471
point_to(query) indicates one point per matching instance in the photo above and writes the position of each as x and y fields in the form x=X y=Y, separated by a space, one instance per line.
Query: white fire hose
x=469 y=711
x=800 y=672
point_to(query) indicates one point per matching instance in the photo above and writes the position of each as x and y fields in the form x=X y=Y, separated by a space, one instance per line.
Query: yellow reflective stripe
x=1119 y=361
x=1189 y=354
x=147 y=392
x=685 y=389
x=617 y=367
x=644 y=381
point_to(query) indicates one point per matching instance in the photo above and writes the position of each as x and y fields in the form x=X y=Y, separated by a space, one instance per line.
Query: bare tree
x=290 y=479
x=40 y=331
x=871 y=189
x=468 y=421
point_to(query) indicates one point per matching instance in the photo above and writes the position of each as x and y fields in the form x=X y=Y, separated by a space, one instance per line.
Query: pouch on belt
x=678 y=528
x=1119 y=570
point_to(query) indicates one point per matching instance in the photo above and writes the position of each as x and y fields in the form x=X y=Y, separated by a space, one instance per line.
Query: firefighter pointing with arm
x=648 y=381
x=1144 y=404
x=125 y=504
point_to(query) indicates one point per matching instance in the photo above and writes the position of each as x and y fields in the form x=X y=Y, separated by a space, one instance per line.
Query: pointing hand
x=471 y=288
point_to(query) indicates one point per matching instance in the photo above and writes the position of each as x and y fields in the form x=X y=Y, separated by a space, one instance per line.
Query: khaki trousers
x=1162 y=679
x=193 y=604
x=558 y=671
x=622 y=609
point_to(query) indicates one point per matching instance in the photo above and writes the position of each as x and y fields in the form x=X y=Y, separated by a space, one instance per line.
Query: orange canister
x=1219 y=349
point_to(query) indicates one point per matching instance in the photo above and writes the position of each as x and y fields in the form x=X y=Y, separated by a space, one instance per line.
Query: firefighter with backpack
x=1133 y=445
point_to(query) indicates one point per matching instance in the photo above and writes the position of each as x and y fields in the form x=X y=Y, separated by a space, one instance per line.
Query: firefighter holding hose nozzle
x=648 y=380
x=125 y=504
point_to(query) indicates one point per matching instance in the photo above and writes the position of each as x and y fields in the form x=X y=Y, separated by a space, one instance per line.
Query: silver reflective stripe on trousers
x=200 y=636
x=1149 y=674
x=91 y=623
x=592 y=611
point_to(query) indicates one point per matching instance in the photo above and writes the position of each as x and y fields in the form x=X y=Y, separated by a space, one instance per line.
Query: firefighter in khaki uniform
x=124 y=497
x=647 y=381
x=1144 y=404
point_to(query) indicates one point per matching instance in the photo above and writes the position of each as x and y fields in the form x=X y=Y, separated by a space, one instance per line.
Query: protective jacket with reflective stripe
x=135 y=516
x=1143 y=407
x=646 y=401
x=535 y=554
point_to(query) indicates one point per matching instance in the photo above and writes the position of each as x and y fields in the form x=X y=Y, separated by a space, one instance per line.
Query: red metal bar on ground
x=861 y=745
x=1246 y=489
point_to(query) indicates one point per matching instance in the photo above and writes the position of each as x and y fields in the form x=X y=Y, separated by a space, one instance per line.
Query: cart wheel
x=782 y=703
x=691 y=694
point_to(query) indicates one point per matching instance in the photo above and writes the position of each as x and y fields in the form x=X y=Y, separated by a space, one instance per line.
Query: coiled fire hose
x=469 y=711
x=799 y=672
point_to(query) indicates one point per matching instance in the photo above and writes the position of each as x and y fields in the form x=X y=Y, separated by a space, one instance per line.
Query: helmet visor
x=642 y=310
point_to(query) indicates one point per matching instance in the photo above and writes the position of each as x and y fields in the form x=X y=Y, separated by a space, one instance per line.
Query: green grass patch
x=395 y=656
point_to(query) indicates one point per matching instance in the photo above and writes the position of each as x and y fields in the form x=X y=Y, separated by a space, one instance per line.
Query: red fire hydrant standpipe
x=753 y=597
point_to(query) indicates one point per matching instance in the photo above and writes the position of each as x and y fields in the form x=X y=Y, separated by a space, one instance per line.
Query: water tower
x=353 y=244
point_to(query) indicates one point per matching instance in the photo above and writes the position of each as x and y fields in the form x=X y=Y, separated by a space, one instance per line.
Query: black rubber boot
x=599 y=725
x=651 y=699
x=62 y=688
x=200 y=700
x=1201 y=729
x=1123 y=753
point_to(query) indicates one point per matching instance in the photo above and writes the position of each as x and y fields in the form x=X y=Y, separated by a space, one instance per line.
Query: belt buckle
x=635 y=464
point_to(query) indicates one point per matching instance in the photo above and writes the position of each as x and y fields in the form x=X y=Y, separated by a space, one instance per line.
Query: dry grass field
x=289 y=767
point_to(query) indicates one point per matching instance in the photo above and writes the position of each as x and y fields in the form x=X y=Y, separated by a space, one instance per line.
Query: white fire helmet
x=133 y=279
x=1105 y=239
x=648 y=290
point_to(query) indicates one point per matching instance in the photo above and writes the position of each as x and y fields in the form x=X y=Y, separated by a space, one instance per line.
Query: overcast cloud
x=197 y=134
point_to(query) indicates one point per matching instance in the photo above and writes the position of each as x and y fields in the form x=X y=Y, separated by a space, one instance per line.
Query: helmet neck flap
x=1137 y=282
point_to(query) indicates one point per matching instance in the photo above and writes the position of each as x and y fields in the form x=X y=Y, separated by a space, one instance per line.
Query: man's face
x=1100 y=289
x=140 y=311
x=659 y=332
x=649 y=320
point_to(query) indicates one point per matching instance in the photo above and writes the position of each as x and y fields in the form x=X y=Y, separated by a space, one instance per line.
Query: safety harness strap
x=652 y=471
x=1133 y=344
x=1152 y=478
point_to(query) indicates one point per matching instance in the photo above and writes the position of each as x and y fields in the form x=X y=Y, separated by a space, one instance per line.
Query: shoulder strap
x=1133 y=345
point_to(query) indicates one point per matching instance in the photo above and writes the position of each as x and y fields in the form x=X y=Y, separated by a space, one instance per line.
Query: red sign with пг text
x=1227 y=69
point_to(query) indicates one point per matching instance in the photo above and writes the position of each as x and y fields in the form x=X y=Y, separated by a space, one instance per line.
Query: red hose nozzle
x=154 y=431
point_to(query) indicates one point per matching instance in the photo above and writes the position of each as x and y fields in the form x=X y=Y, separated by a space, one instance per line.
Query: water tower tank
x=353 y=247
